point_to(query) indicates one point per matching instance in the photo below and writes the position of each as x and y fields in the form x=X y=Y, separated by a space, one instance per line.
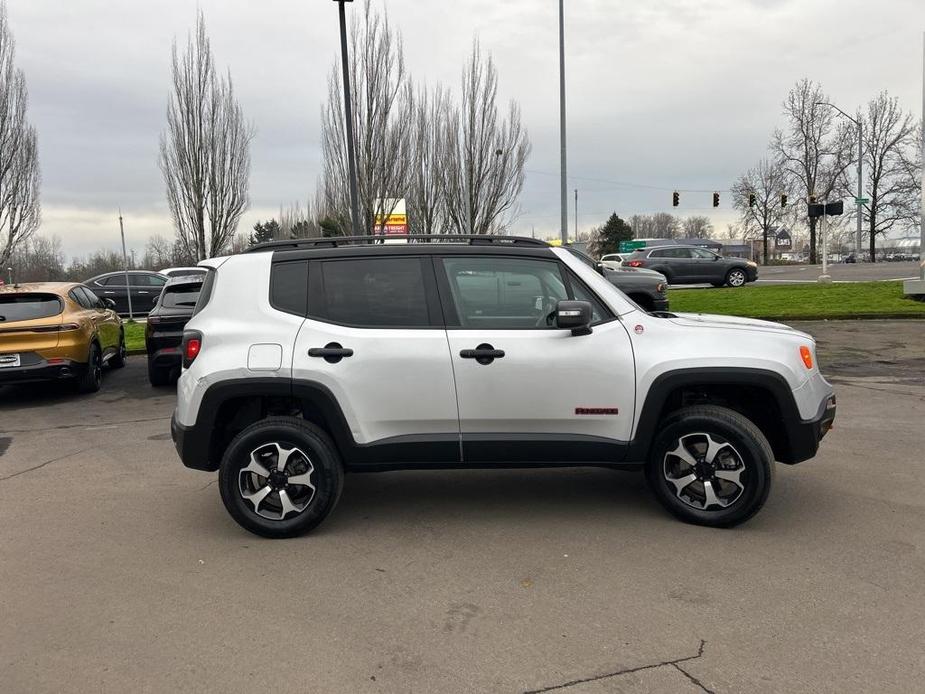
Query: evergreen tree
x=264 y=231
x=611 y=234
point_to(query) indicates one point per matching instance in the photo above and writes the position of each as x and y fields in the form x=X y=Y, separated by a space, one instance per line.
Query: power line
x=626 y=184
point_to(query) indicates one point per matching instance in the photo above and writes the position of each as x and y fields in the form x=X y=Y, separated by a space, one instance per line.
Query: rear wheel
x=280 y=477
x=158 y=376
x=92 y=378
x=736 y=277
x=118 y=361
x=711 y=466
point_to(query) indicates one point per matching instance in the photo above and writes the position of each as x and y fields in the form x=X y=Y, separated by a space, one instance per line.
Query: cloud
x=664 y=94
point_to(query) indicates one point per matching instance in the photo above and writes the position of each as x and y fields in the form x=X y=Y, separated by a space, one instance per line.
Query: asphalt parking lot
x=840 y=272
x=120 y=569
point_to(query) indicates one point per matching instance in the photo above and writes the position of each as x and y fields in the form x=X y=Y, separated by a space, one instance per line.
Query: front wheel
x=280 y=477
x=711 y=466
x=736 y=277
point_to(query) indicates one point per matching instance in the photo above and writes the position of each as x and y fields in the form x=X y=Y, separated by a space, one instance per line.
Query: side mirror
x=574 y=316
x=110 y=304
x=599 y=266
x=154 y=300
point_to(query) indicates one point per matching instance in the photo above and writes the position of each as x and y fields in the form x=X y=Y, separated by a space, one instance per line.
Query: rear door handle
x=483 y=354
x=332 y=352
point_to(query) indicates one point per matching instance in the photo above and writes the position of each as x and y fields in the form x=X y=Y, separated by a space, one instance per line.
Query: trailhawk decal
x=597 y=410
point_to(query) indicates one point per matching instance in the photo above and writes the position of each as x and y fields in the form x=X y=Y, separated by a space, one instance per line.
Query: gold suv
x=53 y=331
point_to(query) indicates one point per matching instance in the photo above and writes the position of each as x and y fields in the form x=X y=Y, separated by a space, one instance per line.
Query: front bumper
x=751 y=273
x=804 y=436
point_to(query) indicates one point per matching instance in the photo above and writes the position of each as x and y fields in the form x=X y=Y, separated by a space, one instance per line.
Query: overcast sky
x=662 y=94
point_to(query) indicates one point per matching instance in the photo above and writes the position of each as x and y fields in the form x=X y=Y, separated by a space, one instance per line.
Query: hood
x=707 y=320
x=634 y=271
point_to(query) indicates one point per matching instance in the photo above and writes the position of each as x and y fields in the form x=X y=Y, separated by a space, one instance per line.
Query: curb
x=135 y=352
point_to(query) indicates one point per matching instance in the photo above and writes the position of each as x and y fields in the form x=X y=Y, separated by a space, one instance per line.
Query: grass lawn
x=801 y=301
x=134 y=335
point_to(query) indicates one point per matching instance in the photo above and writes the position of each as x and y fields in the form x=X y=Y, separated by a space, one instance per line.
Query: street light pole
x=348 y=115
x=128 y=287
x=922 y=207
x=576 y=215
x=860 y=126
x=563 y=172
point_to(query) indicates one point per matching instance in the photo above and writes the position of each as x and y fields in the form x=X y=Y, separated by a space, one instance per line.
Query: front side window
x=370 y=292
x=93 y=299
x=500 y=293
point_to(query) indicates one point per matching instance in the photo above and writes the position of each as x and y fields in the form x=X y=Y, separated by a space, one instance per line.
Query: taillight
x=192 y=346
x=634 y=263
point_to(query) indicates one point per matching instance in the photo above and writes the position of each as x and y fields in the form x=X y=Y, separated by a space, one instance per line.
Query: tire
x=743 y=454
x=118 y=361
x=736 y=277
x=312 y=456
x=91 y=379
x=158 y=377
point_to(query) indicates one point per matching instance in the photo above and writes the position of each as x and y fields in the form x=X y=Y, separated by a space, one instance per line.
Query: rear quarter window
x=18 y=307
x=289 y=287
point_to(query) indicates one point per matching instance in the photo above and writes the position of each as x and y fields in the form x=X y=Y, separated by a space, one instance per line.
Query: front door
x=374 y=337
x=529 y=392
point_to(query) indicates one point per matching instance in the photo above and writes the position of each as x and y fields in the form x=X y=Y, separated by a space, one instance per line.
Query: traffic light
x=783 y=200
x=715 y=199
x=751 y=199
x=675 y=199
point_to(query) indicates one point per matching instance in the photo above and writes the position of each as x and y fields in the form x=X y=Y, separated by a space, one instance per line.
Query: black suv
x=143 y=286
x=694 y=265
x=164 y=329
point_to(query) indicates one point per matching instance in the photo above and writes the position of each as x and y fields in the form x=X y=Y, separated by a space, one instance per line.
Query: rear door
x=113 y=287
x=545 y=395
x=375 y=338
x=145 y=288
x=107 y=325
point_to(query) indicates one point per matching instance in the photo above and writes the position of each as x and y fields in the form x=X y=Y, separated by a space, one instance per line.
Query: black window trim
x=434 y=311
x=568 y=276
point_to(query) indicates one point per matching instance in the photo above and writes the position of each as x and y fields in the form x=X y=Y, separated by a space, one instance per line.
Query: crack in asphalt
x=627 y=671
x=41 y=465
x=85 y=424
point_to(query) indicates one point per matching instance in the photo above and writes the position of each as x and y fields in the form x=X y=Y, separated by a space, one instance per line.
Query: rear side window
x=181 y=296
x=139 y=279
x=289 y=287
x=370 y=292
x=16 y=307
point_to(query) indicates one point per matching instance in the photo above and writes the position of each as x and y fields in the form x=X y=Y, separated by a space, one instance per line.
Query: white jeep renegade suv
x=308 y=359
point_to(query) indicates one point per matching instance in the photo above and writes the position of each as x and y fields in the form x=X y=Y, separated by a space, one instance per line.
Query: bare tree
x=204 y=153
x=756 y=195
x=20 y=211
x=888 y=142
x=697 y=227
x=484 y=155
x=912 y=171
x=660 y=225
x=381 y=95
x=426 y=204
x=813 y=149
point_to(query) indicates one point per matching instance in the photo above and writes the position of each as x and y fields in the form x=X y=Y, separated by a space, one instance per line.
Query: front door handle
x=484 y=354
x=331 y=352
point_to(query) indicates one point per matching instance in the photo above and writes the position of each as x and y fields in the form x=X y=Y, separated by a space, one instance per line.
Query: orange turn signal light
x=807 y=355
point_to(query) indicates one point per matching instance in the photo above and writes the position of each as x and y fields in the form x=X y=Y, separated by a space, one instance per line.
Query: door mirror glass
x=574 y=316
x=109 y=303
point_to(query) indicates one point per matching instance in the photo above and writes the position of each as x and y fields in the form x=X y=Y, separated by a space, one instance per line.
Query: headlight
x=660 y=287
x=751 y=264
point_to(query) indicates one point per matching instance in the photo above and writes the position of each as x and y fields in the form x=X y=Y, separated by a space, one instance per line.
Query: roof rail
x=336 y=241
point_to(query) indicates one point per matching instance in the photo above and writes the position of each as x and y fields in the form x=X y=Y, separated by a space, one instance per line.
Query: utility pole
x=563 y=165
x=917 y=287
x=128 y=287
x=859 y=123
x=348 y=116
x=576 y=215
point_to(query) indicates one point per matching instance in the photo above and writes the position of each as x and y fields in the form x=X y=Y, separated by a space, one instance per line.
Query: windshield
x=183 y=296
x=16 y=307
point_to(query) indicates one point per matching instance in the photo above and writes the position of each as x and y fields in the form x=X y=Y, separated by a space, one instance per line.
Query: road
x=840 y=272
x=120 y=570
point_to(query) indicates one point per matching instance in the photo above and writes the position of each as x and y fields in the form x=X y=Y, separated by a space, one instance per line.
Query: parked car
x=58 y=331
x=164 y=327
x=183 y=271
x=143 y=286
x=613 y=260
x=851 y=258
x=646 y=287
x=694 y=265
x=309 y=358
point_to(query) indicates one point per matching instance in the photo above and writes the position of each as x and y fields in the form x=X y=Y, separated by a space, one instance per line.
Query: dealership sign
x=391 y=217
